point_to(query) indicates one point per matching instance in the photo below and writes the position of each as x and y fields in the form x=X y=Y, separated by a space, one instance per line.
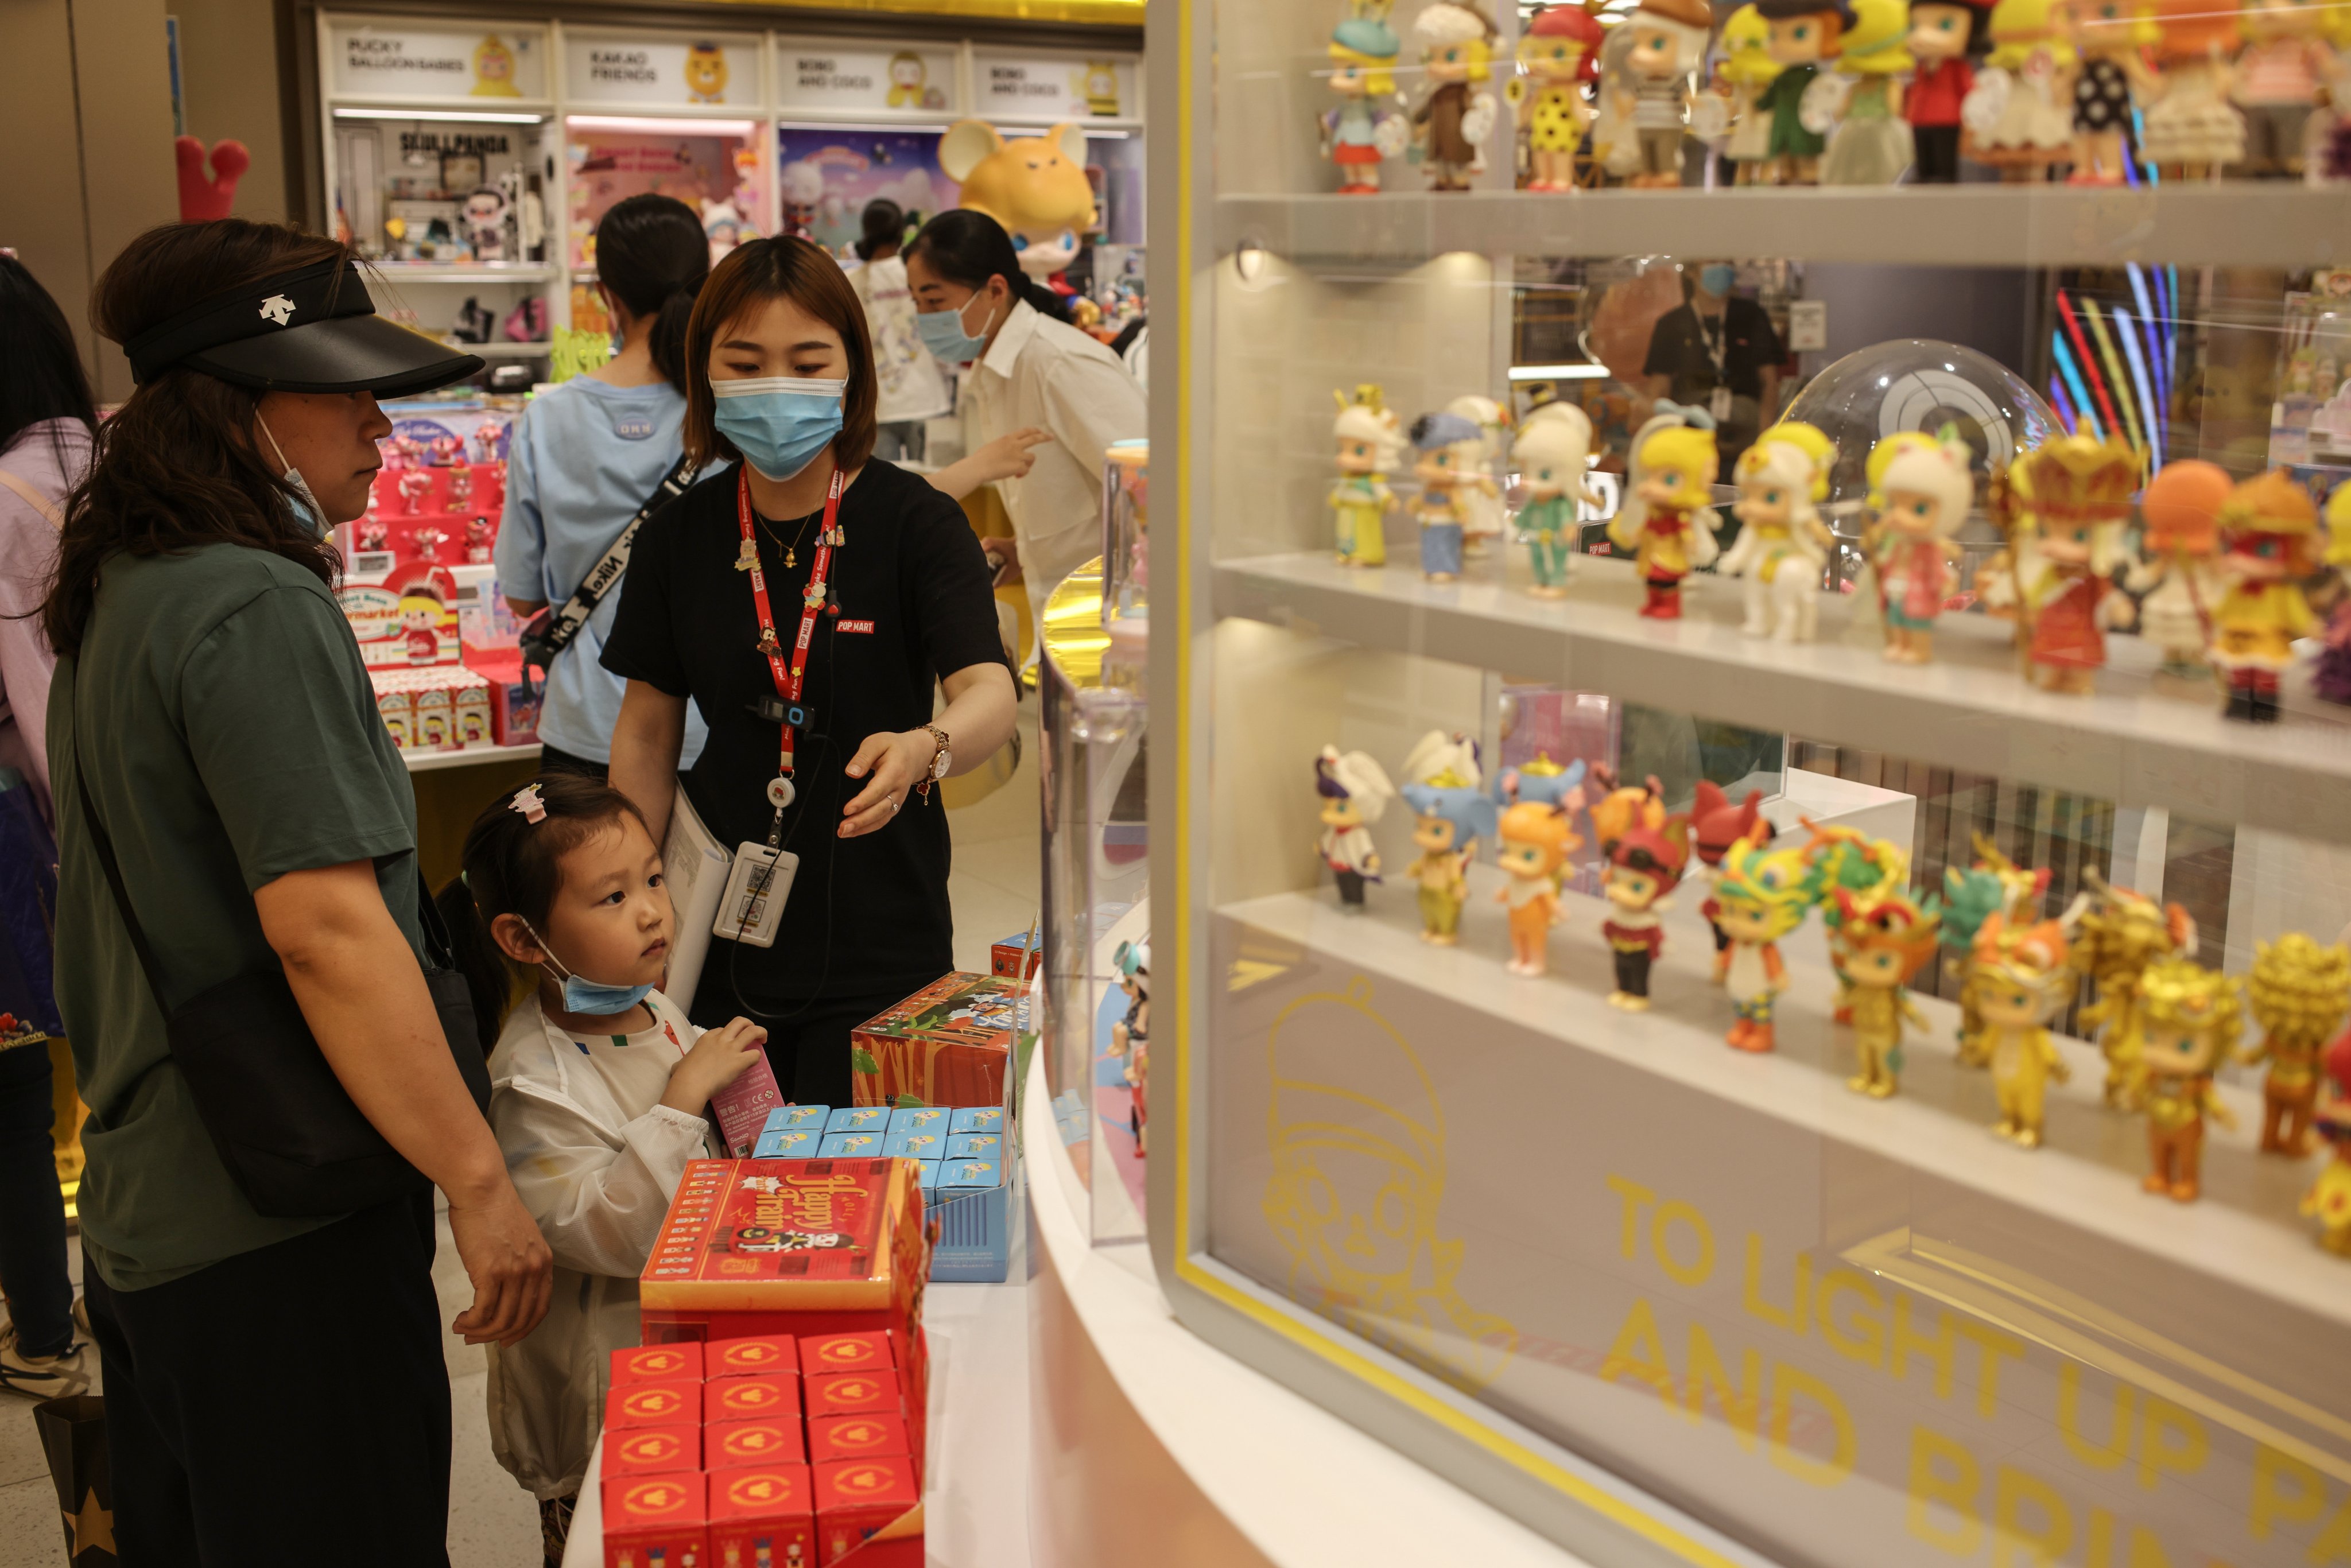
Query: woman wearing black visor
x=258 y=1263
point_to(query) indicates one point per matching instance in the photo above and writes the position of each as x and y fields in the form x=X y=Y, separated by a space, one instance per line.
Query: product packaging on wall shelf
x=442 y=707
x=514 y=704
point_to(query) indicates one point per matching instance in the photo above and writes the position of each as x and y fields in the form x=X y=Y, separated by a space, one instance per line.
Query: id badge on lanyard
x=1717 y=402
x=752 y=910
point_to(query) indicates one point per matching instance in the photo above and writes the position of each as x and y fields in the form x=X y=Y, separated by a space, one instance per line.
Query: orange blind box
x=648 y=1514
x=752 y=1355
x=733 y=1443
x=774 y=1398
x=822 y=1353
x=856 y=1499
x=652 y=1450
x=855 y=1438
x=656 y=1363
x=801 y=1247
x=676 y=1402
x=763 y=1513
x=854 y=1393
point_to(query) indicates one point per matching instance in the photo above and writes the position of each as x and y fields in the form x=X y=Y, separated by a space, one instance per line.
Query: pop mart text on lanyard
x=790 y=678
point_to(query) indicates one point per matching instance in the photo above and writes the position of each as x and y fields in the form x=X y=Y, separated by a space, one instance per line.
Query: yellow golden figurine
x=2021 y=979
x=2299 y=992
x=2328 y=1201
x=1451 y=816
x=2269 y=545
x=2118 y=933
x=1993 y=885
x=2188 y=1017
x=1888 y=936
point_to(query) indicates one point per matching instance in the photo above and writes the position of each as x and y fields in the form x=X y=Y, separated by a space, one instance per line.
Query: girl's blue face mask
x=941 y=333
x=778 y=423
x=586 y=997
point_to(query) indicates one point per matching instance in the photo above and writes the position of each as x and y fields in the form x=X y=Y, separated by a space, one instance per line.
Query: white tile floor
x=980 y=1511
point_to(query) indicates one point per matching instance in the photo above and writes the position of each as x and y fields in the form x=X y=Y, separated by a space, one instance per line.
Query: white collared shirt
x=1044 y=373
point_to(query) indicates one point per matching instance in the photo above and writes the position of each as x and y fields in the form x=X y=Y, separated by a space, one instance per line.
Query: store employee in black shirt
x=1720 y=353
x=781 y=379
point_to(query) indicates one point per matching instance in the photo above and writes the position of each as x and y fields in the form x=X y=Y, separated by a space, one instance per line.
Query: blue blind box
x=787 y=1143
x=974 y=1146
x=957 y=1177
x=978 y=1119
x=859 y=1119
x=789 y=1118
x=916 y=1144
x=852 y=1145
x=928 y=1170
x=920 y=1119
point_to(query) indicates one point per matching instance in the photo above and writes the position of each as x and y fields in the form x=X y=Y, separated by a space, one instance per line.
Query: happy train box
x=950 y=1044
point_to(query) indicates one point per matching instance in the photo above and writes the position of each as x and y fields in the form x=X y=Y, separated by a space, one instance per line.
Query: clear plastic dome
x=1917 y=383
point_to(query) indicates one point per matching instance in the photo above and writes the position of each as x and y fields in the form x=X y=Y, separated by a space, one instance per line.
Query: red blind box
x=852 y=1394
x=750 y=1399
x=676 y=1402
x=855 y=1438
x=752 y=1355
x=653 y=1450
x=648 y=1514
x=950 y=1044
x=657 y=1364
x=845 y=1353
x=763 y=1514
x=800 y=1246
x=734 y=1443
x=856 y=1498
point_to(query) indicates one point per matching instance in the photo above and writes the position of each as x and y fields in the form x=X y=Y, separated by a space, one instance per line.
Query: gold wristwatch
x=941 y=760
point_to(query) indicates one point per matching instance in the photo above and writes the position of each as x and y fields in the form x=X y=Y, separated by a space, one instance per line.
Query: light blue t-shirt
x=581 y=461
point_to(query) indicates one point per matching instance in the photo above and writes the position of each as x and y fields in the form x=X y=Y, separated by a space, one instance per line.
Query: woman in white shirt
x=913 y=388
x=1028 y=368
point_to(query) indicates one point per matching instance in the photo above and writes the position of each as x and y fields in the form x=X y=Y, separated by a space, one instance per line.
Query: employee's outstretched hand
x=891 y=765
x=509 y=1262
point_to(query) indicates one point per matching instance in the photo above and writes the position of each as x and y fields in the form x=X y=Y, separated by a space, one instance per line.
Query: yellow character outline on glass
x=494 y=69
x=1359 y=1173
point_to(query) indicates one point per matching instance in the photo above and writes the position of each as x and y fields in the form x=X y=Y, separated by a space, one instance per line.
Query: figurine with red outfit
x=1941 y=32
x=2268 y=545
x=2063 y=507
x=1666 y=521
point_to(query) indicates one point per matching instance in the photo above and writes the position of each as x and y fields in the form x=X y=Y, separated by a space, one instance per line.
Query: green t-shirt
x=233 y=737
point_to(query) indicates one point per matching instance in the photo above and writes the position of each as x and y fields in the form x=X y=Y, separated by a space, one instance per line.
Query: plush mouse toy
x=1036 y=186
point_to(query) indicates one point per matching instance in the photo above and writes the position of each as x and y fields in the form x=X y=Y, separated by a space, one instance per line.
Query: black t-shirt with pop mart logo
x=915 y=605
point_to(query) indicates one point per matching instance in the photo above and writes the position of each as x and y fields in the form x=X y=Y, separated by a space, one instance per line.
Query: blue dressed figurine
x=1369 y=125
x=1451 y=462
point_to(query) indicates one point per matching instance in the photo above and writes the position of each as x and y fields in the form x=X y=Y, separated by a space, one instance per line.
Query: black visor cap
x=348 y=354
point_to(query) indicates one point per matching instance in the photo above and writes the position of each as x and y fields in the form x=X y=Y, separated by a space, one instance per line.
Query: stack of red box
x=759 y=1452
x=777 y=1418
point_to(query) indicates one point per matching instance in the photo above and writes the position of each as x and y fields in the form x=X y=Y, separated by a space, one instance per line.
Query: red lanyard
x=788 y=678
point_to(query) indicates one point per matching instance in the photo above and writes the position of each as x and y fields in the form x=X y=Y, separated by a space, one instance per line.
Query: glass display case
x=1926 y=1183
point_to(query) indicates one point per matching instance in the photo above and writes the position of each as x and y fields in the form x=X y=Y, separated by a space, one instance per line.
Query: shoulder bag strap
x=34 y=498
x=105 y=847
x=567 y=621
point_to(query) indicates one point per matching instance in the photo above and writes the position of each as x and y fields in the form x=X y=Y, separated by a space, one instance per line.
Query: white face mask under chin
x=308 y=501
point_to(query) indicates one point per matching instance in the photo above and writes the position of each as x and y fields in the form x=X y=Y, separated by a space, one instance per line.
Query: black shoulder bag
x=551 y=631
x=293 y=1140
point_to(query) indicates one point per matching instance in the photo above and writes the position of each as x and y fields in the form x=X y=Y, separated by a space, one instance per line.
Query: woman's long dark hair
x=514 y=867
x=44 y=379
x=176 y=466
x=968 y=248
x=652 y=252
x=883 y=223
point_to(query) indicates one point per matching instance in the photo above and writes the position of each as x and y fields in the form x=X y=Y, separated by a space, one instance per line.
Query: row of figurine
x=2222 y=576
x=1853 y=92
x=2165 y=1023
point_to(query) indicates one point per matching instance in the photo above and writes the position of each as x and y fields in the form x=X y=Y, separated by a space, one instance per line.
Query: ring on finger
x=894 y=804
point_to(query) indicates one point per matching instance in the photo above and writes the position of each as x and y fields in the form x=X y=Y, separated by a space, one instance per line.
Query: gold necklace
x=791 y=551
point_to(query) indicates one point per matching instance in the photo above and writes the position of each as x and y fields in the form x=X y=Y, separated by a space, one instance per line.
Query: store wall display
x=1030 y=87
x=831 y=174
x=721 y=174
x=607 y=68
x=373 y=59
x=830 y=74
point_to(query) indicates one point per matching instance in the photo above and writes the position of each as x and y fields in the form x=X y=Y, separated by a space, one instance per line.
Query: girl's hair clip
x=527 y=802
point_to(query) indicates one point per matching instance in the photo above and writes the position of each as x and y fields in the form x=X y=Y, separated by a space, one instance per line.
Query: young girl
x=597 y=1089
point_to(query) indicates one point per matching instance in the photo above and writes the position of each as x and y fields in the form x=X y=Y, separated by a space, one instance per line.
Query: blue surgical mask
x=1716 y=279
x=941 y=333
x=778 y=423
x=587 y=998
x=306 y=504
